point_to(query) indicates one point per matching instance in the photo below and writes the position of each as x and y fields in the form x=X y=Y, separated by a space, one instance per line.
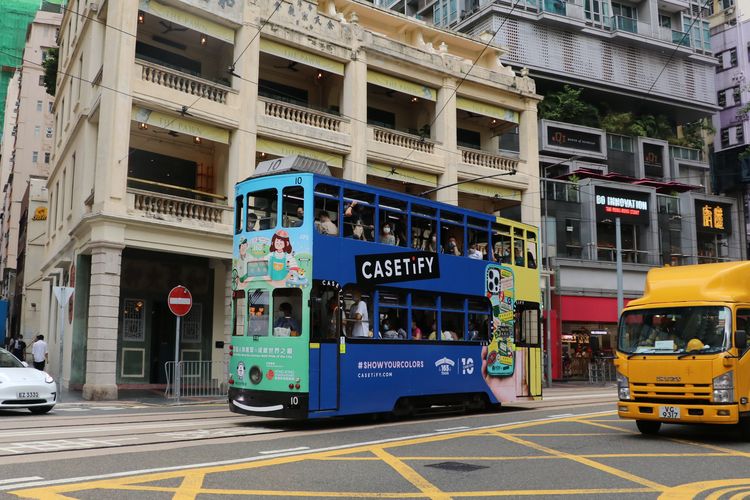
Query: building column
x=445 y=135
x=110 y=181
x=103 y=319
x=241 y=162
x=528 y=140
x=354 y=105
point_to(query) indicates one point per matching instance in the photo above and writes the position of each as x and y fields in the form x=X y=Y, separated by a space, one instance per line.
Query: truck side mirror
x=740 y=340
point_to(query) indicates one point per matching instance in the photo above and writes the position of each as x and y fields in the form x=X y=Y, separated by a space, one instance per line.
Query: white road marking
x=581 y=396
x=288 y=450
x=103 y=428
x=561 y=415
x=111 y=475
x=216 y=433
x=20 y=479
x=453 y=429
x=62 y=445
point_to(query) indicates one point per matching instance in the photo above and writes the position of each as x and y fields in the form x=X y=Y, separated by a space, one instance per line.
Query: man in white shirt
x=39 y=352
x=358 y=316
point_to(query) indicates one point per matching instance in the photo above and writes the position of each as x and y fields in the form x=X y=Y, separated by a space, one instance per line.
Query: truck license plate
x=670 y=412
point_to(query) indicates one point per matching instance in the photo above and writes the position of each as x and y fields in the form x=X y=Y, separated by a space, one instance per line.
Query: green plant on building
x=567 y=106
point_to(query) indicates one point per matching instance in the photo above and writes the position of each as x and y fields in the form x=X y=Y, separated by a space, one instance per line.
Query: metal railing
x=196 y=379
x=601 y=370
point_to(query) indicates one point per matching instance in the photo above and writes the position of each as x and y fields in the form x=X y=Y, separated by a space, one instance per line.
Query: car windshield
x=675 y=330
x=7 y=360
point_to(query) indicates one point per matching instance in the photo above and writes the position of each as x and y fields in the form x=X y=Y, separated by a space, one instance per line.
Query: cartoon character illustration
x=279 y=258
x=296 y=277
x=239 y=273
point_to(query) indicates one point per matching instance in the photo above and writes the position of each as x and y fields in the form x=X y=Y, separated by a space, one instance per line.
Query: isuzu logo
x=669 y=379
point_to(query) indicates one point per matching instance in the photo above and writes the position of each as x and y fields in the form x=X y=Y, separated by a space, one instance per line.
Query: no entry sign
x=180 y=300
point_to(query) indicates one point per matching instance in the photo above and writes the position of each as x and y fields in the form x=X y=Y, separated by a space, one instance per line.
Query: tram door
x=528 y=339
x=326 y=315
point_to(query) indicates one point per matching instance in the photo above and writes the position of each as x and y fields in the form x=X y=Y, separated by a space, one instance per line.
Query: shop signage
x=629 y=205
x=712 y=217
x=653 y=160
x=574 y=139
x=396 y=267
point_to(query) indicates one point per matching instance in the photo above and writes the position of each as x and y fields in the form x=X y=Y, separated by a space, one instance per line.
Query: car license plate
x=28 y=395
x=670 y=412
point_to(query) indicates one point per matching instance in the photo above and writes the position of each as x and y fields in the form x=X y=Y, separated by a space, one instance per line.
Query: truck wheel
x=743 y=426
x=648 y=427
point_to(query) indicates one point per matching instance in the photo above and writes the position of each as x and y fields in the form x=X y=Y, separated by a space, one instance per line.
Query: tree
x=50 y=70
x=567 y=106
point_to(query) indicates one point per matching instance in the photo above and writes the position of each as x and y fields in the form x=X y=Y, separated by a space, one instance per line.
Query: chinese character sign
x=713 y=217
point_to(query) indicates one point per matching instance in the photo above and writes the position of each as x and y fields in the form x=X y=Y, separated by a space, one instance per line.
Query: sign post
x=180 y=301
x=62 y=295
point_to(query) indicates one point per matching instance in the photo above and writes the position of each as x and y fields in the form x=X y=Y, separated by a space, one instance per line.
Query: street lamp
x=548 y=291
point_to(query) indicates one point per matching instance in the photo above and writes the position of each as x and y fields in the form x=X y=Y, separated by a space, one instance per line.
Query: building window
x=665 y=21
x=740 y=134
x=37 y=130
x=732 y=58
x=35 y=157
x=48 y=134
x=725 y=138
x=721 y=97
x=46 y=158
x=39 y=106
x=49 y=106
x=737 y=95
x=41 y=82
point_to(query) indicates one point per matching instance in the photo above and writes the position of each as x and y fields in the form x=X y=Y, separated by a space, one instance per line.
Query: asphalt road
x=564 y=448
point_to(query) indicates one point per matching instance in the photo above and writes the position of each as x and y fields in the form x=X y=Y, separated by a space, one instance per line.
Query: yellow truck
x=682 y=348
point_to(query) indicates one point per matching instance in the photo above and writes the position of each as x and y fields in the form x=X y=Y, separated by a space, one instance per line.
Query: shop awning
x=184 y=18
x=401 y=174
x=180 y=125
x=276 y=148
x=400 y=85
x=301 y=56
x=485 y=109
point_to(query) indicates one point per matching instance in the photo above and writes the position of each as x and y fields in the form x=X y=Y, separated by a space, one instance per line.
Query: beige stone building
x=162 y=107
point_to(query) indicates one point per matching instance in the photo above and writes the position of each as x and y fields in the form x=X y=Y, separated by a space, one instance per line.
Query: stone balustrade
x=404 y=140
x=301 y=115
x=489 y=160
x=166 y=207
x=182 y=82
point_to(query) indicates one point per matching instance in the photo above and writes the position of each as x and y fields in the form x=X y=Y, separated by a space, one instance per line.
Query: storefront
x=713 y=229
x=633 y=210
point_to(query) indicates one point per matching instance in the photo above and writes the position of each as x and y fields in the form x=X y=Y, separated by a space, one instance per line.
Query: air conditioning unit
x=729 y=11
x=94 y=6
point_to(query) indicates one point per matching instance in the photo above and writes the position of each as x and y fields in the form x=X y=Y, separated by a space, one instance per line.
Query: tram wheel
x=648 y=427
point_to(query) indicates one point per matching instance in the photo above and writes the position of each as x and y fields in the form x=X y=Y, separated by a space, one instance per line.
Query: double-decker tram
x=351 y=299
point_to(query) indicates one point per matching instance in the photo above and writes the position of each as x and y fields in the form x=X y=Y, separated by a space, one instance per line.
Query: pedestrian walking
x=18 y=348
x=39 y=352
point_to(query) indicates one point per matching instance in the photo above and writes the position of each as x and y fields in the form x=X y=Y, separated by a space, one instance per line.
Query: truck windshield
x=695 y=330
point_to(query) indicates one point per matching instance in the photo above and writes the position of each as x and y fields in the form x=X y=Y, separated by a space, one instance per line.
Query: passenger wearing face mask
x=432 y=244
x=386 y=236
x=452 y=247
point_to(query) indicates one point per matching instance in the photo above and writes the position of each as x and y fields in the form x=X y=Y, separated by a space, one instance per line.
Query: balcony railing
x=165 y=207
x=554 y=6
x=302 y=115
x=683 y=153
x=404 y=140
x=623 y=23
x=182 y=82
x=488 y=160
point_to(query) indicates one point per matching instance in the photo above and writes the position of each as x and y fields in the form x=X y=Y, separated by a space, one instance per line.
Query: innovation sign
x=628 y=205
x=396 y=267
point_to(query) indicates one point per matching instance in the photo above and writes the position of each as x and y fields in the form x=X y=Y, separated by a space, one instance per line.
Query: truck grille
x=682 y=393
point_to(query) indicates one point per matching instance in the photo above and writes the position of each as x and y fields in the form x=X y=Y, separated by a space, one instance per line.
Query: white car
x=24 y=387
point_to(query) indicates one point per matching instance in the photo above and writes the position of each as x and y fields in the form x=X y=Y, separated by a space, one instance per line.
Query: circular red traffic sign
x=179 y=300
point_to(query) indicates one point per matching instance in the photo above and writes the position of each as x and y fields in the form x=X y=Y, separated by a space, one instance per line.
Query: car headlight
x=723 y=386
x=623 y=386
x=49 y=379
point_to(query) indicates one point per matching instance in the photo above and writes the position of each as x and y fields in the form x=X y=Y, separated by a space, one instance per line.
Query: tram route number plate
x=670 y=412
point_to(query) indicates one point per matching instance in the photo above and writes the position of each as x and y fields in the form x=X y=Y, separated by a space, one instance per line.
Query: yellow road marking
x=692 y=490
x=411 y=475
x=190 y=487
x=605 y=426
x=582 y=460
x=561 y=434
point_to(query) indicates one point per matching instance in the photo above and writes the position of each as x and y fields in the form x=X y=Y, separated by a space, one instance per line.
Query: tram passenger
x=416 y=332
x=325 y=225
x=300 y=217
x=286 y=321
x=474 y=253
x=452 y=247
x=386 y=235
x=432 y=244
x=359 y=320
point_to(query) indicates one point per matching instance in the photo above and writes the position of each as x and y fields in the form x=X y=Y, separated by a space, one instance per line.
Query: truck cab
x=681 y=348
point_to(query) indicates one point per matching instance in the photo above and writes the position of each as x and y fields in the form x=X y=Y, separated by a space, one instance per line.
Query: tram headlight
x=256 y=375
x=623 y=387
x=723 y=388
